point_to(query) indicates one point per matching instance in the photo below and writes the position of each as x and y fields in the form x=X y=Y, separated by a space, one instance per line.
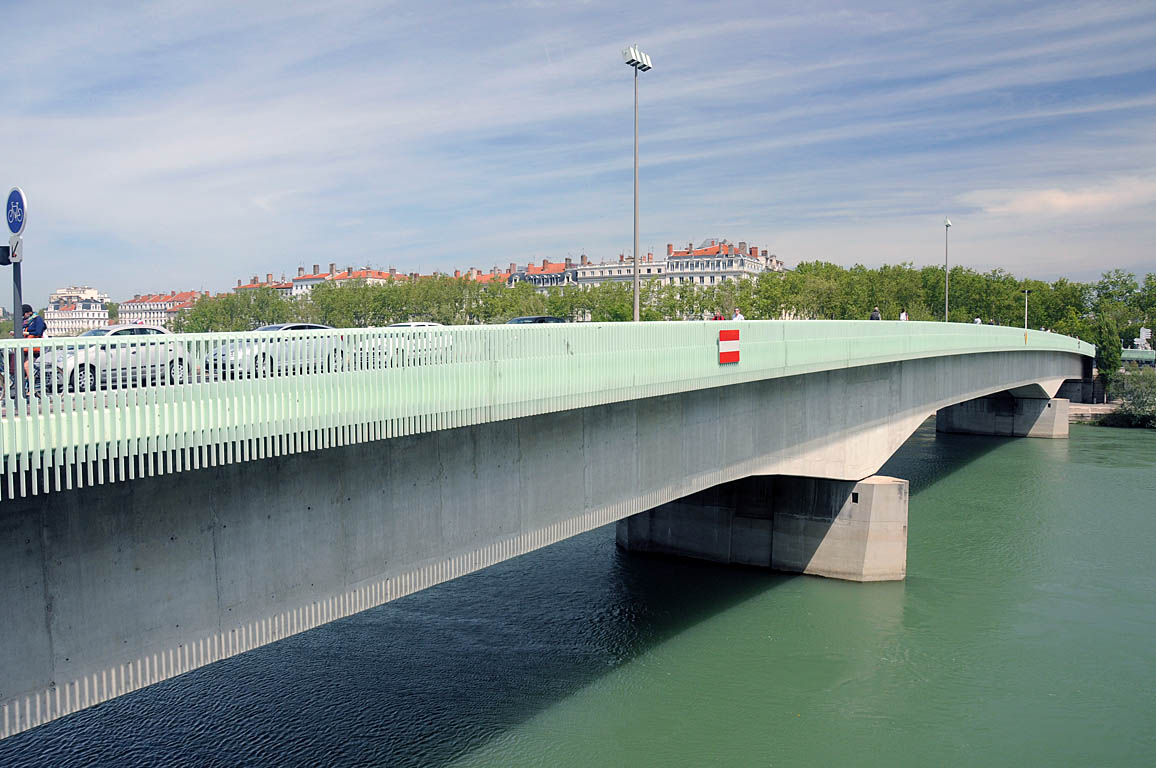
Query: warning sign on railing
x=728 y=346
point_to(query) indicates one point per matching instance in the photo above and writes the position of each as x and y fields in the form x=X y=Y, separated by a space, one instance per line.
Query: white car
x=120 y=356
x=276 y=350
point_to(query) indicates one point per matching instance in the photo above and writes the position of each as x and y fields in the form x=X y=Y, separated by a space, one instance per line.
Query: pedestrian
x=875 y=314
x=903 y=315
x=977 y=321
x=738 y=315
x=34 y=328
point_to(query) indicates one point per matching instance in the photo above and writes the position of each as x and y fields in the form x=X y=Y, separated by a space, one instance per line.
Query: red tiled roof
x=551 y=268
x=488 y=277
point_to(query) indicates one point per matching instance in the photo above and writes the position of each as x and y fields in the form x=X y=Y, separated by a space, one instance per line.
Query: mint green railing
x=104 y=409
x=1141 y=356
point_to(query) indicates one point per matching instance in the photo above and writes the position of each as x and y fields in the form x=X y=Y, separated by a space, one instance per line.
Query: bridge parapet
x=104 y=409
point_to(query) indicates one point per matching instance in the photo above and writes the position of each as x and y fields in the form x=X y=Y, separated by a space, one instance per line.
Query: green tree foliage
x=1107 y=347
x=113 y=312
x=1136 y=390
x=1113 y=307
x=242 y=311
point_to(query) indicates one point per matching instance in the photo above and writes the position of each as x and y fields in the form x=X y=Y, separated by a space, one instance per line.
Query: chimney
x=393 y=271
x=238 y=283
x=670 y=249
x=569 y=262
x=136 y=296
x=316 y=268
x=764 y=253
x=349 y=271
x=513 y=267
x=332 y=267
x=300 y=271
x=621 y=258
x=268 y=277
x=649 y=256
x=585 y=261
x=472 y=273
x=755 y=251
x=545 y=263
x=742 y=246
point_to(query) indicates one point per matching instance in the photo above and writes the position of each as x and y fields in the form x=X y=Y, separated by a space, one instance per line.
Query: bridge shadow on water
x=429 y=678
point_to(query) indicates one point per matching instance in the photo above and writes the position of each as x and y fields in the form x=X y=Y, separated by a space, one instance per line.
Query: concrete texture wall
x=855 y=531
x=1006 y=415
x=112 y=587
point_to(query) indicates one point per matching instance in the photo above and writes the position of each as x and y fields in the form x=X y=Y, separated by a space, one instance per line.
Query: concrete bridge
x=222 y=491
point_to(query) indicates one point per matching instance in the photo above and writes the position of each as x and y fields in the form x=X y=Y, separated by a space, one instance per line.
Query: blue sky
x=180 y=145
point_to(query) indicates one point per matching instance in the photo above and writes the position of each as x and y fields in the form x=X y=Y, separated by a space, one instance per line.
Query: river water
x=1025 y=634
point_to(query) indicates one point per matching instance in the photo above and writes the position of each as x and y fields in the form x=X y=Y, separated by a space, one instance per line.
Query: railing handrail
x=106 y=408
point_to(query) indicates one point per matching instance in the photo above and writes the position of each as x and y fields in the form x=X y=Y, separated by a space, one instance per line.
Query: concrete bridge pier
x=1004 y=414
x=841 y=529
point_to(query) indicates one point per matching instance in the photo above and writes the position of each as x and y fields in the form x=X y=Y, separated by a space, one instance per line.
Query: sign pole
x=17 y=298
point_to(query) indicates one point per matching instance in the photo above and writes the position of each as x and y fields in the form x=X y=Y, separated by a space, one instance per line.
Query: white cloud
x=1113 y=195
x=192 y=144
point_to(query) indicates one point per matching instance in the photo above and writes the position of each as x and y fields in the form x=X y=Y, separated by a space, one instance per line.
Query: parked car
x=537 y=319
x=418 y=342
x=284 y=352
x=121 y=355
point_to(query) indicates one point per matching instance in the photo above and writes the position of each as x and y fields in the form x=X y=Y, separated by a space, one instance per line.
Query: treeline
x=1113 y=307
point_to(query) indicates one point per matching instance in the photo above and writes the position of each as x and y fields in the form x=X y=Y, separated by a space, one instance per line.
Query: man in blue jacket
x=34 y=328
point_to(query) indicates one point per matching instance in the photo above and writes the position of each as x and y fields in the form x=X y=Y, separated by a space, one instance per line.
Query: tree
x=113 y=312
x=1107 y=349
x=242 y=311
x=1136 y=390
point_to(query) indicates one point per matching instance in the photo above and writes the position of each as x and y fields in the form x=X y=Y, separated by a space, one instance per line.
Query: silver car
x=120 y=356
x=282 y=352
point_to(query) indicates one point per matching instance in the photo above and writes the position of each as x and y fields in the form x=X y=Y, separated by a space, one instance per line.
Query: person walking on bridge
x=738 y=315
x=875 y=314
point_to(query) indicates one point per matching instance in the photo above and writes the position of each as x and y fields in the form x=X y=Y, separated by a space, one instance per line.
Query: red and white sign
x=728 y=346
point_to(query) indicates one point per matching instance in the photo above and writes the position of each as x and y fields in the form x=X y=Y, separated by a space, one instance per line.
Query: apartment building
x=711 y=263
x=74 y=310
x=157 y=308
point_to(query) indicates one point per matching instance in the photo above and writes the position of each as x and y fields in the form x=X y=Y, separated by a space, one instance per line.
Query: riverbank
x=1086 y=413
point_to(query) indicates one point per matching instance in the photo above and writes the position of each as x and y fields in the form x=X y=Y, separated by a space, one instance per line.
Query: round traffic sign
x=17 y=211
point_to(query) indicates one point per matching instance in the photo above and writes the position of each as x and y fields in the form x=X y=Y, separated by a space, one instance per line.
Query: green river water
x=1025 y=634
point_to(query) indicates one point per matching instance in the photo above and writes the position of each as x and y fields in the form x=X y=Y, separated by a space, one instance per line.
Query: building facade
x=156 y=309
x=73 y=310
x=711 y=263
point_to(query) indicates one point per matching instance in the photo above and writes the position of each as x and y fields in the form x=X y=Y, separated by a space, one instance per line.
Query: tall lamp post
x=1026 y=292
x=637 y=60
x=946 y=228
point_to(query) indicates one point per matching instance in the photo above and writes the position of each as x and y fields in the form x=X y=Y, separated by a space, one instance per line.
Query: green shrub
x=1136 y=389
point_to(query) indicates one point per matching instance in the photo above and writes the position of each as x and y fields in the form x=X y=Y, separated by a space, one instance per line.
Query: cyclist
x=34 y=328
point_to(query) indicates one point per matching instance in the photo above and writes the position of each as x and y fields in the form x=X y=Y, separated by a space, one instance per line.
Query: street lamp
x=637 y=60
x=1026 y=292
x=946 y=227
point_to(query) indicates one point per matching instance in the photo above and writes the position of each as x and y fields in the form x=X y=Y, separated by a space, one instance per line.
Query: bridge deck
x=103 y=410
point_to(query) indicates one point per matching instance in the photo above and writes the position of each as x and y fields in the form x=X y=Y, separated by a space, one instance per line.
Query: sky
x=183 y=145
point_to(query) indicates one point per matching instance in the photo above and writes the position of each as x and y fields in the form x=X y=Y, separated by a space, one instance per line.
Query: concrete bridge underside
x=110 y=588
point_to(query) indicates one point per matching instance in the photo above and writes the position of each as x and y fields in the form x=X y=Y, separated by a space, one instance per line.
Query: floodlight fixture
x=636 y=58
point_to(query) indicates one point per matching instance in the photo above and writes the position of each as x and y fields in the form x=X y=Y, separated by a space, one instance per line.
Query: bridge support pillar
x=1007 y=416
x=836 y=528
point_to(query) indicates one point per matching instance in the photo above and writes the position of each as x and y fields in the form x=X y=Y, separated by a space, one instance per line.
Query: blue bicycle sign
x=17 y=211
